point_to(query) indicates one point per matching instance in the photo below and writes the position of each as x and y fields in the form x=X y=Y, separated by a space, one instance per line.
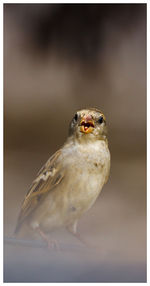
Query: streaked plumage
x=71 y=180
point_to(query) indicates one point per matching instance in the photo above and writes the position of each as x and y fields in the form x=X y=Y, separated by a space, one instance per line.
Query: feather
x=47 y=179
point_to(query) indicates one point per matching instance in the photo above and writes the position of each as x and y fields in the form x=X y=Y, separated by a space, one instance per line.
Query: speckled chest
x=88 y=166
x=89 y=157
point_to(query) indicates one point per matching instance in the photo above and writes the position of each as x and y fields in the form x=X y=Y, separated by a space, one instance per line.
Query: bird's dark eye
x=100 y=120
x=76 y=117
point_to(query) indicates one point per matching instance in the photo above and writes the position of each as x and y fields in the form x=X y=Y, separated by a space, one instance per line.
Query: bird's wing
x=47 y=179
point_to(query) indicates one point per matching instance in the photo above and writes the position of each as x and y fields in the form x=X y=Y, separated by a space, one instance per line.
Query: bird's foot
x=51 y=244
x=78 y=236
x=81 y=239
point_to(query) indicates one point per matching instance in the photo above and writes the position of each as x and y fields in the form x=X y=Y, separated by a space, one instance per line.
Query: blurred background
x=59 y=58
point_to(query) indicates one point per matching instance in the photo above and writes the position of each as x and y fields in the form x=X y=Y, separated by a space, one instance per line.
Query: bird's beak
x=87 y=124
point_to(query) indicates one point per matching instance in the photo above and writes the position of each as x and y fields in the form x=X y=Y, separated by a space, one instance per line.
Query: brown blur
x=59 y=58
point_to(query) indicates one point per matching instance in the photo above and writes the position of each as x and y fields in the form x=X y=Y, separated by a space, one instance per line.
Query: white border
x=1 y=124
x=148 y=141
x=78 y=1
x=1 y=134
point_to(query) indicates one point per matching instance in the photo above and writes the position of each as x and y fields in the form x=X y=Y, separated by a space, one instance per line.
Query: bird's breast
x=88 y=166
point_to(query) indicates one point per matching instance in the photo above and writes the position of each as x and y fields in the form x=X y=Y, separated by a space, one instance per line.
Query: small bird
x=69 y=183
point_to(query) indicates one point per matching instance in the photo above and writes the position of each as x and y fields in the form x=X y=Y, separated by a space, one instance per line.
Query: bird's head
x=88 y=124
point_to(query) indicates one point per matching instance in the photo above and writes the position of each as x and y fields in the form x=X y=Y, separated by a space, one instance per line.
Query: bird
x=67 y=186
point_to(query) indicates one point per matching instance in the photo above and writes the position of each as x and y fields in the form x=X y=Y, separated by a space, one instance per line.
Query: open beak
x=86 y=124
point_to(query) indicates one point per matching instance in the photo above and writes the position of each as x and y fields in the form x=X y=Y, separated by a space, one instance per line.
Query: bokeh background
x=59 y=58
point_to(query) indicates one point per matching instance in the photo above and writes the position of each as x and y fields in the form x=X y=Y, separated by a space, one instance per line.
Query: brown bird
x=71 y=180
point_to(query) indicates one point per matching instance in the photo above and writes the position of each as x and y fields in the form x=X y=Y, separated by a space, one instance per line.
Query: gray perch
x=40 y=244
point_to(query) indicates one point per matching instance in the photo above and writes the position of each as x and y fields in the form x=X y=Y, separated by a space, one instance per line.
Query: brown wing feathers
x=47 y=178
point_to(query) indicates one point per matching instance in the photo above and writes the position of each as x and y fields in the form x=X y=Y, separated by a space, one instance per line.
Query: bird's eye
x=75 y=117
x=100 y=120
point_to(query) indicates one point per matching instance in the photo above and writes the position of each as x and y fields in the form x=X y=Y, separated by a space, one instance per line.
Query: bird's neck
x=85 y=140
